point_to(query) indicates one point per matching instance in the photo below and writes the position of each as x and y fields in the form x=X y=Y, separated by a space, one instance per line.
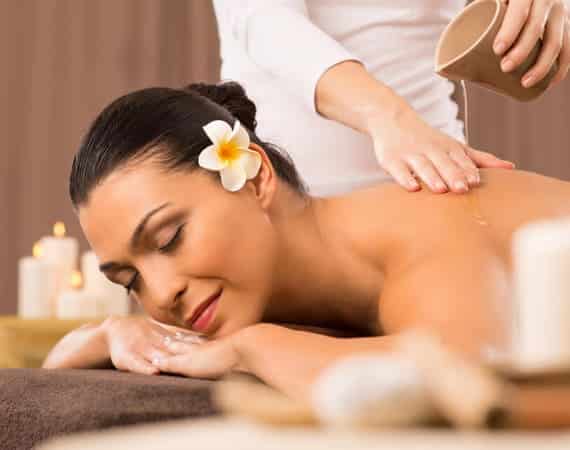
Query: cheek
x=240 y=248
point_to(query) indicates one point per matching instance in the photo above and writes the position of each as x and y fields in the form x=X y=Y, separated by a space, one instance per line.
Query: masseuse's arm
x=280 y=38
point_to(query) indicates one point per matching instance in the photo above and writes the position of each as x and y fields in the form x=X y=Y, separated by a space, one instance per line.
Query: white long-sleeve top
x=278 y=50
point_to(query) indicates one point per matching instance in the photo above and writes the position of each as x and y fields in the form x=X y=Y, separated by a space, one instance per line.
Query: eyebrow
x=135 y=236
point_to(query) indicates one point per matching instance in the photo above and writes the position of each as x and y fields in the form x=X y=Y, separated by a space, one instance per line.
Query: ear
x=265 y=182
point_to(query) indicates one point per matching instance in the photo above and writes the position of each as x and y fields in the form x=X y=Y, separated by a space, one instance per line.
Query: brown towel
x=39 y=403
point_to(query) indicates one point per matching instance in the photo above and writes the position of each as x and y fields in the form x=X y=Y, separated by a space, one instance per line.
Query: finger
x=463 y=160
x=402 y=174
x=187 y=337
x=513 y=22
x=528 y=37
x=488 y=160
x=160 y=340
x=449 y=170
x=564 y=56
x=152 y=352
x=552 y=44
x=173 y=364
x=177 y=347
x=138 y=364
x=423 y=167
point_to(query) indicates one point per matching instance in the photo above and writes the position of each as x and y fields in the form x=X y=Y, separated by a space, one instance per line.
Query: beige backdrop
x=63 y=60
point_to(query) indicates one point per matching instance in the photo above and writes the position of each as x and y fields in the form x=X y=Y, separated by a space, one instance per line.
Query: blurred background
x=64 y=60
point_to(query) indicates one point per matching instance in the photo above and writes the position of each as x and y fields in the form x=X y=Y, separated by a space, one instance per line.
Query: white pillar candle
x=37 y=286
x=62 y=251
x=541 y=275
x=115 y=296
x=76 y=303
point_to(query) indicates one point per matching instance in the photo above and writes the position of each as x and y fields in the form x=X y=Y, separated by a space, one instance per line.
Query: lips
x=202 y=307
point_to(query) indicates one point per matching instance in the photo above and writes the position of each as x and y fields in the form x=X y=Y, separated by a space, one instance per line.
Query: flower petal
x=209 y=159
x=233 y=177
x=218 y=131
x=251 y=162
x=239 y=136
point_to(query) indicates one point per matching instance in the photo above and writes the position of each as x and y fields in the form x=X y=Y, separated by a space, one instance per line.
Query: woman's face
x=200 y=239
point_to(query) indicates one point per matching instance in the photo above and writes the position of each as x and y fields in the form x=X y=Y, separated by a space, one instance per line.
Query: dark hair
x=167 y=123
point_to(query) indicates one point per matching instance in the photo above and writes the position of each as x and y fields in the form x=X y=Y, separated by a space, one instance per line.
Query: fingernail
x=156 y=361
x=507 y=65
x=439 y=185
x=460 y=185
x=499 y=47
x=413 y=183
x=527 y=81
x=167 y=340
x=474 y=179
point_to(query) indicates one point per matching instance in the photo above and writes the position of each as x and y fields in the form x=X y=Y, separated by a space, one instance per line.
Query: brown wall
x=63 y=60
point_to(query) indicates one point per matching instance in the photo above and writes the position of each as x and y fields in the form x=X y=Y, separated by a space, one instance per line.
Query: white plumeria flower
x=230 y=154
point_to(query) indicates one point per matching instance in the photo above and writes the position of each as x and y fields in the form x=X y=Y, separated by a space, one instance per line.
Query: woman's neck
x=321 y=277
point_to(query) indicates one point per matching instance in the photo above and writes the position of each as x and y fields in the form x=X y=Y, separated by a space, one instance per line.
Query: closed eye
x=168 y=247
x=172 y=243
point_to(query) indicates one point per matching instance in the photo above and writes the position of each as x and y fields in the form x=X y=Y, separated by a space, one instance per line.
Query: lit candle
x=62 y=251
x=96 y=283
x=76 y=303
x=37 y=286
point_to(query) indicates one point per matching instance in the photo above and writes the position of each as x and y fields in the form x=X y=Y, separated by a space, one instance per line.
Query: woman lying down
x=211 y=231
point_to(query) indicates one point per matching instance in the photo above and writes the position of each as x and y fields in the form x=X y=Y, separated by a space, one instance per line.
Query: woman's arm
x=85 y=347
x=291 y=360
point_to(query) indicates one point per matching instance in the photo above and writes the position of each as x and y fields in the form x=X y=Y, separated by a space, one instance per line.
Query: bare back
x=449 y=261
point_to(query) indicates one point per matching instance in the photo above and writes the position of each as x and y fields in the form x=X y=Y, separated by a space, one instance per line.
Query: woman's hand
x=208 y=359
x=134 y=342
x=408 y=144
x=525 y=22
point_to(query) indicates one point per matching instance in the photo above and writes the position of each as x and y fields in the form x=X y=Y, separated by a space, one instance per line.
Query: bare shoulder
x=461 y=294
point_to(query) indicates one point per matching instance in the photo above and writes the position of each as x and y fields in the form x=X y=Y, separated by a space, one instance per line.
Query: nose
x=165 y=288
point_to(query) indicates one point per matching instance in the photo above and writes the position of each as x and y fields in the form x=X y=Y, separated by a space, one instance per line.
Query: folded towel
x=39 y=403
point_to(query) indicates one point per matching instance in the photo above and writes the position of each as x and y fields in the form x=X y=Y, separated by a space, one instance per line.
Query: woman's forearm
x=83 y=348
x=347 y=93
x=291 y=360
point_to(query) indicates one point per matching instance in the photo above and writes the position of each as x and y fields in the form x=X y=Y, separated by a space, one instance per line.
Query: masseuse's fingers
x=424 y=168
x=484 y=159
x=564 y=56
x=401 y=173
x=453 y=175
x=462 y=160
x=552 y=45
x=515 y=18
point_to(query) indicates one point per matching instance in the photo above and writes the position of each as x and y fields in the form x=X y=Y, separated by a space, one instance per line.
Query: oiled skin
x=446 y=258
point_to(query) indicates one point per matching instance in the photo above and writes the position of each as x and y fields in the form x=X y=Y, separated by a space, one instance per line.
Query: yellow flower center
x=228 y=152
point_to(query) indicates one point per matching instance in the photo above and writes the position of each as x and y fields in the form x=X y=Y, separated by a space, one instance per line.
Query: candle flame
x=76 y=279
x=37 y=250
x=59 y=229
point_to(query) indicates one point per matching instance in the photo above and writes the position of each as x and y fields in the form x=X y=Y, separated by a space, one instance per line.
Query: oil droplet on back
x=474 y=207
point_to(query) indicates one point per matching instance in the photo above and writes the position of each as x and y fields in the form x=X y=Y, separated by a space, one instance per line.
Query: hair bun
x=231 y=95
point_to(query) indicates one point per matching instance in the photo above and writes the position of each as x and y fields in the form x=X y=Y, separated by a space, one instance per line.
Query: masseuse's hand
x=134 y=342
x=408 y=147
x=524 y=23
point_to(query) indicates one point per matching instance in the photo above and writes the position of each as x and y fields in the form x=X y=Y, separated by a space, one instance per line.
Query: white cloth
x=278 y=50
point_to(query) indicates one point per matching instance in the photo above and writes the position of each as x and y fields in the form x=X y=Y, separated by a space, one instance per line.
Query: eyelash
x=171 y=245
